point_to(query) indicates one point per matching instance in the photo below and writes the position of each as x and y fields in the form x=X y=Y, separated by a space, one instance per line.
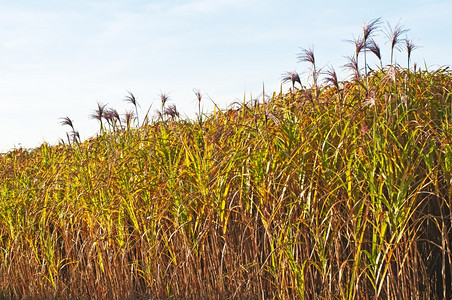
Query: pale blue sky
x=58 y=58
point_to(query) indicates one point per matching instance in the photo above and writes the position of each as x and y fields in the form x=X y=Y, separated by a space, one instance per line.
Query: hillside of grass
x=340 y=190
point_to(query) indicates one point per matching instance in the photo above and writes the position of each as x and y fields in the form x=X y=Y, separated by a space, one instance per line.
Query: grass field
x=339 y=190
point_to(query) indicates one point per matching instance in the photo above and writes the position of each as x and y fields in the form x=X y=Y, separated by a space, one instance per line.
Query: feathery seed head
x=111 y=114
x=98 y=114
x=374 y=48
x=331 y=78
x=393 y=34
x=198 y=94
x=67 y=121
x=131 y=99
x=410 y=46
x=358 y=43
x=164 y=97
x=291 y=76
x=369 y=28
x=307 y=55
x=352 y=65
x=171 y=111
x=128 y=117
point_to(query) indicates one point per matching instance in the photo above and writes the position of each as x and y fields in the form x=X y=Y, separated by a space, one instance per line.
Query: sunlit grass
x=338 y=191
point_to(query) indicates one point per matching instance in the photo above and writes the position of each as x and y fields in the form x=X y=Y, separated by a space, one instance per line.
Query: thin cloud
x=193 y=8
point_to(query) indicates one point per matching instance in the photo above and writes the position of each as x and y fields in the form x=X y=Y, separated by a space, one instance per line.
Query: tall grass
x=343 y=196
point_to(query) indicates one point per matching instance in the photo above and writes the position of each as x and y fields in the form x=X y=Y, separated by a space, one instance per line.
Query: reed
x=292 y=198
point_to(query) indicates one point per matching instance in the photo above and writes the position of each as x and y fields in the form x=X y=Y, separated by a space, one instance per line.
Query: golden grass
x=332 y=199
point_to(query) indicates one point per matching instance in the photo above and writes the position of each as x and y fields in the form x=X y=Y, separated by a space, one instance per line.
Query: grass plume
x=291 y=77
x=131 y=99
x=394 y=37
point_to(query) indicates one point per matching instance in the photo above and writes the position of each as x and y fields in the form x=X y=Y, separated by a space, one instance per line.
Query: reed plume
x=368 y=31
x=373 y=47
x=131 y=99
x=307 y=55
x=199 y=98
x=112 y=117
x=331 y=78
x=352 y=65
x=410 y=47
x=359 y=47
x=292 y=77
x=394 y=37
x=171 y=111
x=66 y=121
x=164 y=98
x=98 y=114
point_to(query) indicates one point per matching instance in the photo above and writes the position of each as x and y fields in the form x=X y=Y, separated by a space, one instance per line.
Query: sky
x=60 y=58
